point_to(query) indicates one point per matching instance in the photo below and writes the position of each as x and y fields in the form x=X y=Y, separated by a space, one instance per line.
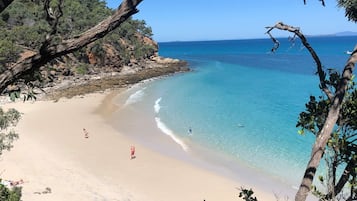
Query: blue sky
x=191 y=20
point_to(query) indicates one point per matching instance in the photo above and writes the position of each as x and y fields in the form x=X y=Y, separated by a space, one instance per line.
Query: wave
x=157 y=105
x=169 y=132
x=135 y=97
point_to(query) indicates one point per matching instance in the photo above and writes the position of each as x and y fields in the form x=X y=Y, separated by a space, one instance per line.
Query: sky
x=198 y=20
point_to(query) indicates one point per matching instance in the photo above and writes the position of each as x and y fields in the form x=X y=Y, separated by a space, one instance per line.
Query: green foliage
x=314 y=116
x=25 y=22
x=350 y=7
x=247 y=195
x=80 y=15
x=7 y=194
x=8 y=53
x=14 y=95
x=82 y=69
x=23 y=25
x=141 y=27
x=143 y=51
x=98 y=50
x=24 y=28
x=341 y=150
x=8 y=120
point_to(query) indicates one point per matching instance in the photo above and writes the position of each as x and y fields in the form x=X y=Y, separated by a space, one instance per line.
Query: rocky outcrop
x=102 y=67
x=127 y=76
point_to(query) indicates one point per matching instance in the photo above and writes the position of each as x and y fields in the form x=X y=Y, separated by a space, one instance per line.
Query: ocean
x=241 y=101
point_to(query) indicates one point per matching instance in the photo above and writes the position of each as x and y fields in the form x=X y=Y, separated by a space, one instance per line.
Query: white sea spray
x=157 y=106
x=169 y=132
x=135 y=97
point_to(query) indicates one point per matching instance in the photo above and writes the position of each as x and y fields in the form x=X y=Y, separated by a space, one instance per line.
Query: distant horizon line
x=339 y=34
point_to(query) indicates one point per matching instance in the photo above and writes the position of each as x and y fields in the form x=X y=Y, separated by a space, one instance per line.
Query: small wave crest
x=168 y=132
x=135 y=97
x=157 y=105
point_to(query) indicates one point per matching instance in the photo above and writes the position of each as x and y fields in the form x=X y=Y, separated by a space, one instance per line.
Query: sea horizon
x=339 y=34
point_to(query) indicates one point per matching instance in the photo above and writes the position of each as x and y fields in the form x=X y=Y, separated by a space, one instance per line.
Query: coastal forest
x=46 y=39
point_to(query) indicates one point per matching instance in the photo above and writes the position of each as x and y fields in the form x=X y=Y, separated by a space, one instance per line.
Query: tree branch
x=343 y=180
x=126 y=9
x=296 y=31
x=322 y=2
x=53 y=16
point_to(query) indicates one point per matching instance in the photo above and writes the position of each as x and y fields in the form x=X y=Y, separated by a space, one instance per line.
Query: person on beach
x=190 y=131
x=86 y=134
x=132 y=152
x=11 y=183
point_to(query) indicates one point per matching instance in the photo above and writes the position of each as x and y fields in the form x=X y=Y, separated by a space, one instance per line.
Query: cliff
x=71 y=76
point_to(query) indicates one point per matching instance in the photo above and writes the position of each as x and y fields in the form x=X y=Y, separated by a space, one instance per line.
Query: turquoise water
x=243 y=101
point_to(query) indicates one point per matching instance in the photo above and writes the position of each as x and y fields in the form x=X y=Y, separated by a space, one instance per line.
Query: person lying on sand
x=86 y=134
x=12 y=183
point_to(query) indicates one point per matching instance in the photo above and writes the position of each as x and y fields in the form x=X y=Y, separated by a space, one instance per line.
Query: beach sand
x=52 y=152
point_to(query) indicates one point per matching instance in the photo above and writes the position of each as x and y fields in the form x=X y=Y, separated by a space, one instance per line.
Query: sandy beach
x=58 y=163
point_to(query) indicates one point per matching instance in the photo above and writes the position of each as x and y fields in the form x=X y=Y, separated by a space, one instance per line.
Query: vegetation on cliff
x=26 y=29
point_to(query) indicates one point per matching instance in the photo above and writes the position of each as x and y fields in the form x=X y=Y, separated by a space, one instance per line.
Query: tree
x=335 y=93
x=350 y=7
x=341 y=149
x=330 y=112
x=54 y=46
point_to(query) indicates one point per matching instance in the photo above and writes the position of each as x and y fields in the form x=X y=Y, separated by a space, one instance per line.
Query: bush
x=7 y=194
x=82 y=69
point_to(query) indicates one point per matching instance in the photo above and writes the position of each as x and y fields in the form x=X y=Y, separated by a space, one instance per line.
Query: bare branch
x=320 y=71
x=275 y=41
x=322 y=2
x=126 y=9
x=53 y=16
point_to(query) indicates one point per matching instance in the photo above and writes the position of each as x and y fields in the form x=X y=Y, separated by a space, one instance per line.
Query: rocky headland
x=69 y=86
x=71 y=75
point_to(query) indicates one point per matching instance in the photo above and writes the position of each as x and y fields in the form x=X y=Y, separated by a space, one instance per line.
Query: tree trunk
x=48 y=52
x=317 y=152
x=325 y=133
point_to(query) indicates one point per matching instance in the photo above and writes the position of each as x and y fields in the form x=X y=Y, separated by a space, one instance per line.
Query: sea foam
x=135 y=97
x=169 y=132
x=157 y=106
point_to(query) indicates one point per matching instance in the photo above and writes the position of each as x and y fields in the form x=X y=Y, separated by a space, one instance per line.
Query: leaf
x=321 y=179
x=301 y=132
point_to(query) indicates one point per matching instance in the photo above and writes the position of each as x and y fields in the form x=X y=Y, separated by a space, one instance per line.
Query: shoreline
x=75 y=168
x=196 y=155
x=52 y=153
